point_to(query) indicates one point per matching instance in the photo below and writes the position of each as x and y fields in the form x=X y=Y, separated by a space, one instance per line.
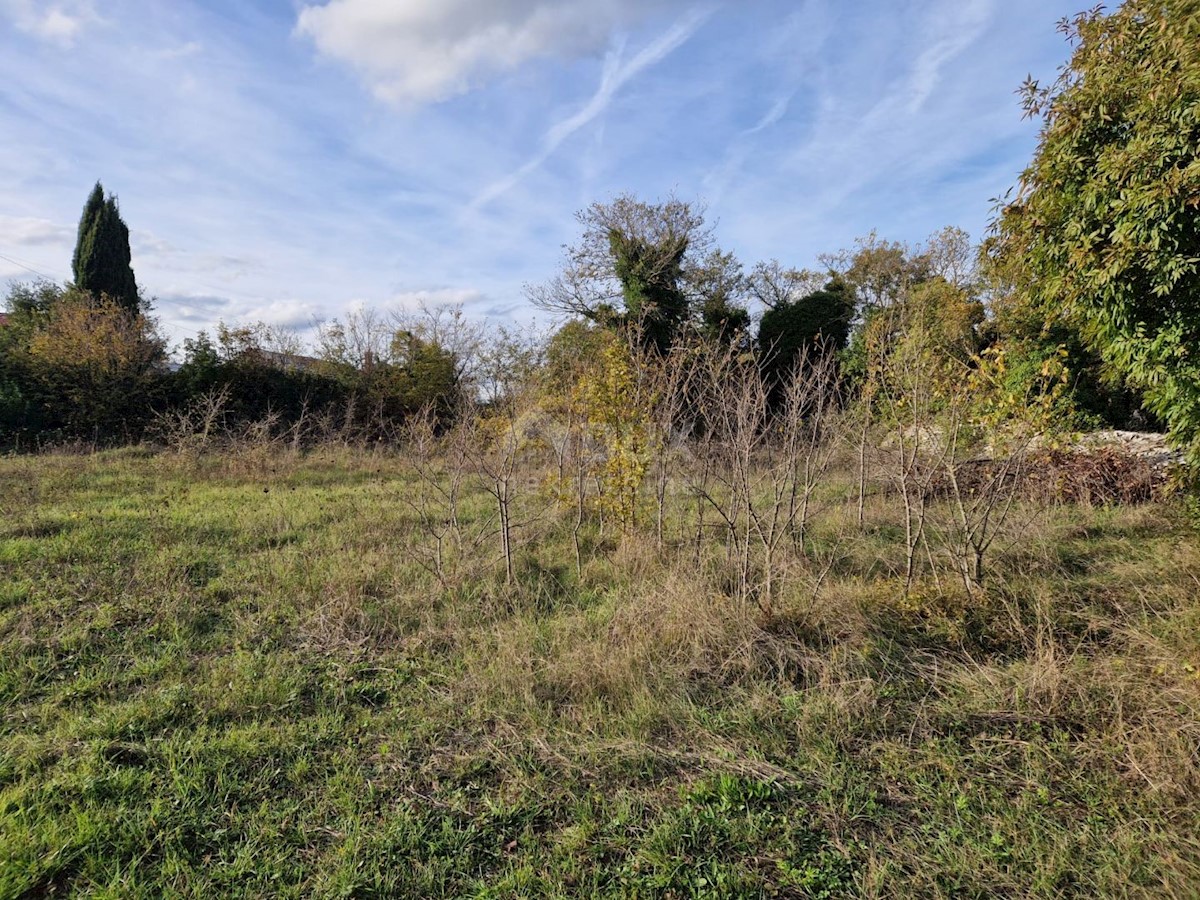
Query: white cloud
x=181 y=51
x=421 y=51
x=616 y=75
x=59 y=23
x=276 y=189
x=28 y=231
x=32 y=248
x=966 y=23
x=298 y=315
x=434 y=297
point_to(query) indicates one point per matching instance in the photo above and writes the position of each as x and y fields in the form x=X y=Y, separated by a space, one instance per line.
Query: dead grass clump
x=1135 y=708
x=680 y=631
x=339 y=622
x=637 y=560
x=662 y=640
x=1156 y=700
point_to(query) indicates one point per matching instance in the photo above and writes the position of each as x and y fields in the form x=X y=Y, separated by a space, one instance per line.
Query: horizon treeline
x=80 y=363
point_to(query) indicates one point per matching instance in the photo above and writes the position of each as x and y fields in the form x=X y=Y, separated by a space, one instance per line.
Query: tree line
x=1088 y=278
x=87 y=361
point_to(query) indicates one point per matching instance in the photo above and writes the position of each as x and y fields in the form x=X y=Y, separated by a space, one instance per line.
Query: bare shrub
x=979 y=508
x=197 y=427
x=443 y=540
x=671 y=384
x=761 y=467
x=496 y=452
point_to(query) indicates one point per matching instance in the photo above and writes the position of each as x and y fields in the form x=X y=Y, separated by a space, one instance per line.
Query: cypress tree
x=92 y=211
x=102 y=258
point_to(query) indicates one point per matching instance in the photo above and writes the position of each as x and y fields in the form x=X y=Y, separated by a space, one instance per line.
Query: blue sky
x=286 y=161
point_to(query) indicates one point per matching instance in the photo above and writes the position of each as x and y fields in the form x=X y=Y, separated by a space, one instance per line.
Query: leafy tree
x=260 y=343
x=28 y=306
x=855 y=360
x=260 y=370
x=880 y=272
x=934 y=287
x=718 y=285
x=355 y=345
x=393 y=371
x=817 y=322
x=948 y=317
x=26 y=302
x=577 y=345
x=101 y=264
x=1094 y=396
x=1103 y=236
x=446 y=325
x=201 y=370
x=618 y=420
x=422 y=373
x=630 y=267
x=14 y=408
x=650 y=278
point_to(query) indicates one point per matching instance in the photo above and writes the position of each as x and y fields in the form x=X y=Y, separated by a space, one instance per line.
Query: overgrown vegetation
x=740 y=583
x=243 y=674
x=625 y=629
x=83 y=365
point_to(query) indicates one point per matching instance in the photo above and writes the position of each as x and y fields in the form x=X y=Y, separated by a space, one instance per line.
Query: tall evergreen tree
x=102 y=258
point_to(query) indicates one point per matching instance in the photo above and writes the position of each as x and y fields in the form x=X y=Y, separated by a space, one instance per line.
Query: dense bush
x=76 y=365
x=1102 y=237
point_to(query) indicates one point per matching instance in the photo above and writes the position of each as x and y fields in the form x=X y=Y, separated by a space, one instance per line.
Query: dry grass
x=234 y=676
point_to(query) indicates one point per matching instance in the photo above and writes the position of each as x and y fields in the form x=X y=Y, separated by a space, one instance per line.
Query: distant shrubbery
x=74 y=366
x=78 y=365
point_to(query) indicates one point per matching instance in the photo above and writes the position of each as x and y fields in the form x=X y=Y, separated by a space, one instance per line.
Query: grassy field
x=226 y=677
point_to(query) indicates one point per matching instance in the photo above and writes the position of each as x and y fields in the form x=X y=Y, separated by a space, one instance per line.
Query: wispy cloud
x=180 y=51
x=739 y=151
x=772 y=116
x=420 y=51
x=616 y=75
x=920 y=147
x=57 y=22
x=964 y=25
x=260 y=182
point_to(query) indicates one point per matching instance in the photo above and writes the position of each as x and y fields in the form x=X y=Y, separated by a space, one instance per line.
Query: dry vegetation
x=602 y=646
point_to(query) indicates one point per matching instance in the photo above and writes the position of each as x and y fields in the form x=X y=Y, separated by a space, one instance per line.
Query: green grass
x=234 y=677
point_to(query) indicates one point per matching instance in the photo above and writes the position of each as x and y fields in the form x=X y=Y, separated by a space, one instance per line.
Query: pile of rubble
x=1148 y=446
